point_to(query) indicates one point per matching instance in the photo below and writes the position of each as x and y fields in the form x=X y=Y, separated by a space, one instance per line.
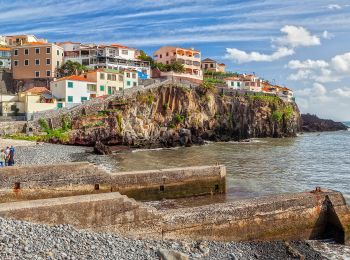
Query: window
x=128 y=83
x=102 y=88
x=15 y=63
x=167 y=62
x=167 y=54
x=37 y=62
x=109 y=77
x=232 y=84
x=70 y=84
x=16 y=52
x=58 y=53
x=70 y=99
x=120 y=78
x=102 y=76
x=109 y=90
x=125 y=52
x=128 y=75
x=134 y=75
x=83 y=99
x=59 y=105
x=48 y=50
x=114 y=77
x=134 y=84
x=37 y=74
x=37 y=50
x=205 y=66
x=26 y=51
x=160 y=56
x=26 y=62
x=238 y=84
x=48 y=73
x=211 y=65
x=91 y=87
x=58 y=63
x=48 y=61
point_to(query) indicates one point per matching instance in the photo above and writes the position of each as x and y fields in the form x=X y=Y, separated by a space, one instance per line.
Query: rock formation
x=311 y=123
x=172 y=115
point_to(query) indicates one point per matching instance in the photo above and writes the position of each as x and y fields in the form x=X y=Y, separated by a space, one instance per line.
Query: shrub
x=119 y=119
x=44 y=125
x=288 y=112
x=179 y=119
x=277 y=116
x=66 y=123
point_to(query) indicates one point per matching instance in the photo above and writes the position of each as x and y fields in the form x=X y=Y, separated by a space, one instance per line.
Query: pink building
x=190 y=58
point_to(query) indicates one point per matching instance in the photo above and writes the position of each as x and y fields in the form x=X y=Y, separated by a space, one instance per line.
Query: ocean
x=260 y=167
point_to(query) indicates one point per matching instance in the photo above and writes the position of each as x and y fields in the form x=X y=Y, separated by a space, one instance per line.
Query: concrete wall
x=48 y=181
x=102 y=212
x=291 y=217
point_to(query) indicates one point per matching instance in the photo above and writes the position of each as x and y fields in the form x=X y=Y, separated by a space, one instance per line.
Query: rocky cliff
x=311 y=123
x=176 y=115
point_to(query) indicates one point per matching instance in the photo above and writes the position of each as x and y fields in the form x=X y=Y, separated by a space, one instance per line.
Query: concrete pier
x=70 y=179
x=299 y=216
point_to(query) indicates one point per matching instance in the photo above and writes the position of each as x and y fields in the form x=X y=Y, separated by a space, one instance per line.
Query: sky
x=300 y=44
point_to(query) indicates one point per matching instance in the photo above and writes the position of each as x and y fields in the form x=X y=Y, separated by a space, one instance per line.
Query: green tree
x=71 y=68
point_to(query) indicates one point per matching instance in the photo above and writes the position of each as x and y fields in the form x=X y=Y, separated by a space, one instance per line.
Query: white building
x=113 y=56
x=234 y=82
x=72 y=90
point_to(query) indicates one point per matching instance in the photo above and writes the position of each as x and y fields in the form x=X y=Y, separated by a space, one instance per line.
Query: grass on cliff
x=265 y=98
x=286 y=113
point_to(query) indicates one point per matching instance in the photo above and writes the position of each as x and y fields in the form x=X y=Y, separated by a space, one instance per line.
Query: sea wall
x=49 y=181
x=318 y=215
x=300 y=216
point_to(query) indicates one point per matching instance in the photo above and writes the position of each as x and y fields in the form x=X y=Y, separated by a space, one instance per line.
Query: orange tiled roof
x=74 y=78
x=37 y=90
x=233 y=78
x=120 y=46
x=35 y=43
x=5 y=49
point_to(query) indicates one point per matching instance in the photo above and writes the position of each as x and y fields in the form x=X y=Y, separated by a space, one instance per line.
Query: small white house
x=72 y=90
x=234 y=82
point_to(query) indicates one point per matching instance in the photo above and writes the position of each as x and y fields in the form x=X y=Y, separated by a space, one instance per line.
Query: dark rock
x=311 y=123
x=101 y=149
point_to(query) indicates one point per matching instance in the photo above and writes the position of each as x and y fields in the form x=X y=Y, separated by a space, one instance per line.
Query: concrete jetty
x=86 y=197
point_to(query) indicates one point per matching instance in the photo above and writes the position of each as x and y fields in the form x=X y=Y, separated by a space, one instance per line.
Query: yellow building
x=108 y=81
x=36 y=99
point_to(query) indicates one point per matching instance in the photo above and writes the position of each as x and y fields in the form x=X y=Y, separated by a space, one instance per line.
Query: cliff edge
x=173 y=115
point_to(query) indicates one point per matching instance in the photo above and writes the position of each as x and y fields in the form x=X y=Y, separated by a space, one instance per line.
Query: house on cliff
x=244 y=82
x=189 y=58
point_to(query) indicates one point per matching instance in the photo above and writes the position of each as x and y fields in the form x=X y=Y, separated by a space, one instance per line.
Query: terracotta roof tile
x=74 y=78
x=37 y=90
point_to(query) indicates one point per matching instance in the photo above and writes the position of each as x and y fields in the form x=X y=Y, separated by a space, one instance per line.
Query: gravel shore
x=23 y=240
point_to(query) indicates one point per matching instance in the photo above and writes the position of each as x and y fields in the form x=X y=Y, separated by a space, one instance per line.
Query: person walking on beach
x=7 y=153
x=2 y=158
x=11 y=160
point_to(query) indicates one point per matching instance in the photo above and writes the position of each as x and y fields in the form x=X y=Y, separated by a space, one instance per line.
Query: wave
x=154 y=149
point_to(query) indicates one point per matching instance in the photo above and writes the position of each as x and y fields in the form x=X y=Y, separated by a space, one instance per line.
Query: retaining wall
x=48 y=181
x=298 y=216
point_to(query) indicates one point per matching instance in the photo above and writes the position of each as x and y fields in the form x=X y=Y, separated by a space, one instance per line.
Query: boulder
x=101 y=149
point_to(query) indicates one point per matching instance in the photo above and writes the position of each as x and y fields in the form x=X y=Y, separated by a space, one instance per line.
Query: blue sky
x=300 y=44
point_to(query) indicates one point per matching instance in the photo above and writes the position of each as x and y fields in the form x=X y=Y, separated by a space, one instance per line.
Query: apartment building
x=130 y=79
x=17 y=40
x=212 y=65
x=190 y=58
x=72 y=90
x=244 y=82
x=113 y=56
x=37 y=60
x=5 y=58
x=108 y=82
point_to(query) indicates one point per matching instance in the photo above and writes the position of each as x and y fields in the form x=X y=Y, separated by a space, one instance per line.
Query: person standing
x=11 y=160
x=2 y=158
x=7 y=153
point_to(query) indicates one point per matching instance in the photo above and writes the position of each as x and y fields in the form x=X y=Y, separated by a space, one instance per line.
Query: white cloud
x=324 y=101
x=307 y=64
x=297 y=36
x=341 y=63
x=321 y=71
x=327 y=35
x=334 y=7
x=242 y=56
